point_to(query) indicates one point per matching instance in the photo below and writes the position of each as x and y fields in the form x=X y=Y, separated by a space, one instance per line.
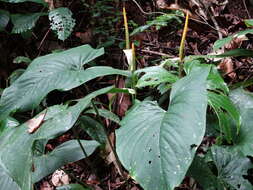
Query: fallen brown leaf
x=236 y=42
x=35 y=123
x=226 y=66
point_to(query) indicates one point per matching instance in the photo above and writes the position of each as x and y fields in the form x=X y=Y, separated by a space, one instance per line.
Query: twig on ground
x=157 y=53
x=44 y=38
x=246 y=9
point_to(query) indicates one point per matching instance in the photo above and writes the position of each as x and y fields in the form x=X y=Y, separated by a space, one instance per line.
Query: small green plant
x=61 y=20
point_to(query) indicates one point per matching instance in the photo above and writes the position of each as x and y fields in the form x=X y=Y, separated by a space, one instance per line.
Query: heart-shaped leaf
x=160 y=145
x=16 y=146
x=61 y=71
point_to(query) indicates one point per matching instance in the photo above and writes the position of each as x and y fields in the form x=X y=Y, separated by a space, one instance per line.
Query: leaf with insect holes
x=61 y=22
x=157 y=149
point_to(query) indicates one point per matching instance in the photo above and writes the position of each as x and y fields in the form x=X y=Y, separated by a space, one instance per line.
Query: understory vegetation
x=126 y=95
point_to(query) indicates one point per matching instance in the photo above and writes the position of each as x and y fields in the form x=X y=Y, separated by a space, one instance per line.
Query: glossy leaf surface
x=160 y=145
x=65 y=153
x=16 y=155
x=57 y=71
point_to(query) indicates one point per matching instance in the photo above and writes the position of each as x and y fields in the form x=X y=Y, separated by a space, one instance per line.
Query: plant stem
x=121 y=172
x=87 y=161
x=126 y=29
x=182 y=46
x=79 y=142
x=133 y=68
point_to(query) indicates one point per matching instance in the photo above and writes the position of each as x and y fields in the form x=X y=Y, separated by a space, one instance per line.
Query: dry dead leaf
x=60 y=178
x=226 y=65
x=236 y=42
x=35 y=123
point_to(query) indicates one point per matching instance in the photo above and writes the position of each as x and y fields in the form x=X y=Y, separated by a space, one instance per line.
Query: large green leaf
x=222 y=104
x=93 y=128
x=62 y=71
x=67 y=152
x=232 y=166
x=7 y=124
x=62 y=22
x=24 y=22
x=6 y=181
x=244 y=101
x=156 y=146
x=214 y=80
x=16 y=155
x=201 y=172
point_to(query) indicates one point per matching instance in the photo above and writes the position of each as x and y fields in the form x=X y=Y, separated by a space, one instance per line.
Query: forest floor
x=100 y=23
